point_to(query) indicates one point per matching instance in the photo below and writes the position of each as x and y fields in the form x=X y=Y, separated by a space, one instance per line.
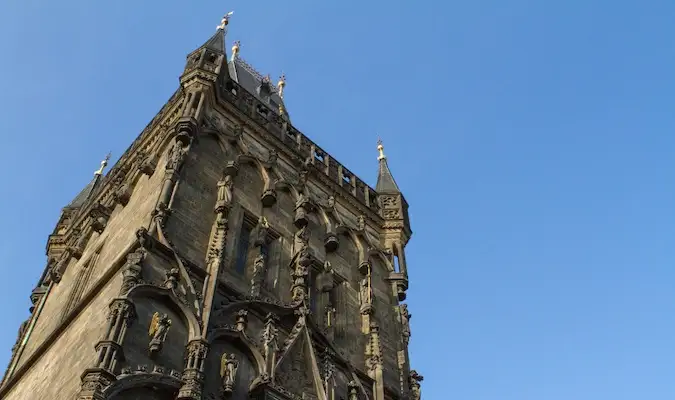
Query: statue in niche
x=301 y=210
x=301 y=245
x=365 y=292
x=405 y=321
x=176 y=156
x=224 y=192
x=261 y=231
x=228 y=372
x=159 y=327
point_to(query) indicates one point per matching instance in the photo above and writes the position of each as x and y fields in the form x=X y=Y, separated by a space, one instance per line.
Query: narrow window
x=242 y=247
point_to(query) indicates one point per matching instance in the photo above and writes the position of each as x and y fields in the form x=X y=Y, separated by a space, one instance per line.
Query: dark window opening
x=242 y=247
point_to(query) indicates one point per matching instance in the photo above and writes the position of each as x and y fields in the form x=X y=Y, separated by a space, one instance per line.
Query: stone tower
x=224 y=256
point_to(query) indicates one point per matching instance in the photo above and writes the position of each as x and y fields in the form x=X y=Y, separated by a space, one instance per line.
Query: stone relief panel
x=228 y=370
x=191 y=219
x=158 y=335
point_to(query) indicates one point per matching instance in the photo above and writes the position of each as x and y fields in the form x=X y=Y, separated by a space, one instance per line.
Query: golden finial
x=281 y=84
x=235 y=49
x=380 y=148
x=282 y=110
x=225 y=21
x=104 y=163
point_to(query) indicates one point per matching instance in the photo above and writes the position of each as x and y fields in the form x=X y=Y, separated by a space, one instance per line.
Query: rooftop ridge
x=254 y=72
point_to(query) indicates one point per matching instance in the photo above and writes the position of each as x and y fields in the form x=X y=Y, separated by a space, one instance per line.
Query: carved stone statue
x=228 y=371
x=176 y=156
x=405 y=321
x=224 y=193
x=365 y=292
x=415 y=386
x=331 y=202
x=301 y=246
x=159 y=327
x=172 y=276
x=261 y=231
x=301 y=210
x=361 y=223
x=353 y=388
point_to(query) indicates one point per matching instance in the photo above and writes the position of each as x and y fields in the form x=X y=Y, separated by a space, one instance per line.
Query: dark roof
x=385 y=180
x=216 y=42
x=253 y=82
x=85 y=193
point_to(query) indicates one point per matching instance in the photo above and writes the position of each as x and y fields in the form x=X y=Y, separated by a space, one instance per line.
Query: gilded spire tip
x=235 y=49
x=225 y=21
x=104 y=163
x=380 y=148
x=281 y=84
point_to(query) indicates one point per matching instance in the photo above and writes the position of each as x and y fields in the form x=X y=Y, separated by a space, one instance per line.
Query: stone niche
x=137 y=340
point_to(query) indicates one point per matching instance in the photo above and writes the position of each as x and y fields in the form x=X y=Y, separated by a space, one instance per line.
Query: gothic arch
x=240 y=341
x=347 y=231
x=385 y=261
x=167 y=297
x=142 y=380
x=249 y=159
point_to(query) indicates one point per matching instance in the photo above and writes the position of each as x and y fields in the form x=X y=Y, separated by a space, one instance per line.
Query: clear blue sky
x=533 y=140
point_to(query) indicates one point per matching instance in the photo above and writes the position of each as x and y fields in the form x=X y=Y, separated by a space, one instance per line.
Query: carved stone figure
x=132 y=270
x=365 y=292
x=176 y=157
x=228 y=371
x=405 y=322
x=361 y=223
x=415 y=387
x=159 y=327
x=172 y=276
x=301 y=246
x=301 y=209
x=353 y=389
x=262 y=230
x=224 y=193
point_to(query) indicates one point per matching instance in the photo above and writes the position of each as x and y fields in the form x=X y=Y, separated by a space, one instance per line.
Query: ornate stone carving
x=301 y=260
x=391 y=214
x=224 y=194
x=148 y=164
x=331 y=242
x=366 y=295
x=228 y=372
x=172 y=277
x=262 y=231
x=176 y=157
x=99 y=215
x=353 y=390
x=405 y=322
x=389 y=201
x=159 y=327
x=94 y=383
x=242 y=320
x=302 y=207
x=269 y=196
x=122 y=191
x=415 y=386
x=193 y=375
x=269 y=342
x=132 y=270
x=325 y=281
x=361 y=223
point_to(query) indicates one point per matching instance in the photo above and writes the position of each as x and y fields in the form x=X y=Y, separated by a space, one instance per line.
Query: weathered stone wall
x=55 y=375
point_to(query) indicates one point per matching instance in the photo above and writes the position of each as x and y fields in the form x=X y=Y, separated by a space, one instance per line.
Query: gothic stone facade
x=224 y=256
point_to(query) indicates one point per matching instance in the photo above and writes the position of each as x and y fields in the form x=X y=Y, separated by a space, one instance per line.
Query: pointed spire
x=82 y=197
x=217 y=41
x=385 y=180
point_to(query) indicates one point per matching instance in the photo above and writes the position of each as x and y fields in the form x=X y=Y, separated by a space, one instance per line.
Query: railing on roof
x=284 y=131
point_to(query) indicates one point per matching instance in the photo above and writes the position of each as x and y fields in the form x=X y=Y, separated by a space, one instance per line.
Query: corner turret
x=394 y=210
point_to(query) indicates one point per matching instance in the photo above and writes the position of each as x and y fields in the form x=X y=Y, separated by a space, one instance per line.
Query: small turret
x=394 y=210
